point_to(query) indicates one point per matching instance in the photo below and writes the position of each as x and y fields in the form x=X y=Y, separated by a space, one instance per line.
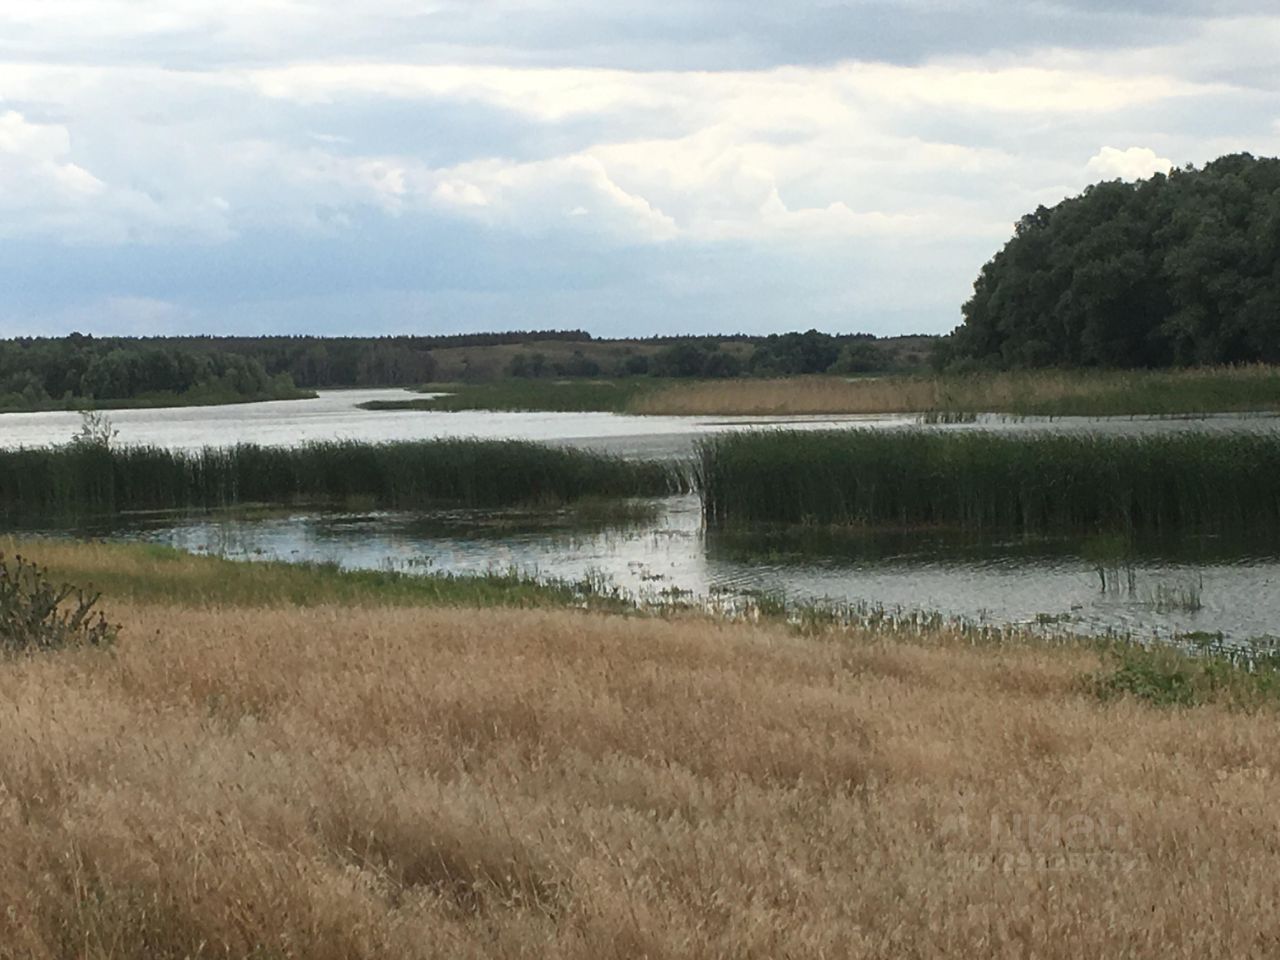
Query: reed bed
x=93 y=478
x=362 y=782
x=1022 y=393
x=1039 y=484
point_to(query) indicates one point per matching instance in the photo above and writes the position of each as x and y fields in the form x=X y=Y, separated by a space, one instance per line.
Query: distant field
x=367 y=780
x=1029 y=393
x=1024 y=393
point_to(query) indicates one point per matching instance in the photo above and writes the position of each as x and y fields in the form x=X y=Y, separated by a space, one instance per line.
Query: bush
x=1246 y=676
x=36 y=614
x=96 y=431
x=861 y=356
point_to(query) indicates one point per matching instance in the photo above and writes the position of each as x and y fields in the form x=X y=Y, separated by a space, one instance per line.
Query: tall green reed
x=1035 y=484
x=80 y=479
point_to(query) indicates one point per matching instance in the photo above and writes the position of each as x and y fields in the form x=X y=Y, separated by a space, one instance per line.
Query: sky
x=443 y=166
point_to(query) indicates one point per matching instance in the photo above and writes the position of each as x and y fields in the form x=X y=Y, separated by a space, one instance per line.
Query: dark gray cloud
x=708 y=34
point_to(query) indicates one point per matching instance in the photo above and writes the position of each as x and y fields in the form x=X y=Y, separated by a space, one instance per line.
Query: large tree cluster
x=1175 y=270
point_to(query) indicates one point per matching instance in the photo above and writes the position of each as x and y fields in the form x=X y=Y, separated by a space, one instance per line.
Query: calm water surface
x=1206 y=588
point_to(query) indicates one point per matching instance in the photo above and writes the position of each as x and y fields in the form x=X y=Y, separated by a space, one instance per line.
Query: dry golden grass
x=349 y=782
x=1205 y=389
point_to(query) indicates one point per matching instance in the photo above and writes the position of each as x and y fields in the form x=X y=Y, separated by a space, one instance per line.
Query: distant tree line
x=80 y=370
x=39 y=373
x=786 y=354
x=1178 y=269
x=316 y=362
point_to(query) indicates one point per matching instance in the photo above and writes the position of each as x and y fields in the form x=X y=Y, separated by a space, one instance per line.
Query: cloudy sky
x=448 y=165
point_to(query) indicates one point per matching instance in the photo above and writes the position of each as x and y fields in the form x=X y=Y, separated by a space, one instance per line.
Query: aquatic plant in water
x=101 y=477
x=1035 y=485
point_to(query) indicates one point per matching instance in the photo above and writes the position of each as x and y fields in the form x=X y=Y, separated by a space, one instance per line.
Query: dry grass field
x=1049 y=392
x=273 y=780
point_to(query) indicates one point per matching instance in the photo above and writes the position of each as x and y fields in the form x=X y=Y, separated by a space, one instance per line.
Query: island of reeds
x=1032 y=484
x=80 y=478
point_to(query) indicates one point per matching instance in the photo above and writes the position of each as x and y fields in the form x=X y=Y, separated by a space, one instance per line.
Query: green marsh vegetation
x=1197 y=671
x=82 y=478
x=1037 y=485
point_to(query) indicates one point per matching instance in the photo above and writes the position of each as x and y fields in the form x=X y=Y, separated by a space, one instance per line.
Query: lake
x=336 y=415
x=666 y=554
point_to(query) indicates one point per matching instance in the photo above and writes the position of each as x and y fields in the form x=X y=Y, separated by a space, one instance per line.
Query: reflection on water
x=662 y=552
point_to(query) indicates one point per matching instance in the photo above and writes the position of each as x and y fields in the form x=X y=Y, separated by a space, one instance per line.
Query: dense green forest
x=79 y=371
x=1176 y=270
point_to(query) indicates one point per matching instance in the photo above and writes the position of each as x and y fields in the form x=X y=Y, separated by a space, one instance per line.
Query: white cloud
x=39 y=184
x=43 y=191
x=1135 y=163
x=790 y=94
x=543 y=93
x=574 y=192
x=34 y=164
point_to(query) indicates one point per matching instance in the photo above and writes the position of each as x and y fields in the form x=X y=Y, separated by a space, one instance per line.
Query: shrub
x=37 y=614
x=96 y=432
x=1245 y=676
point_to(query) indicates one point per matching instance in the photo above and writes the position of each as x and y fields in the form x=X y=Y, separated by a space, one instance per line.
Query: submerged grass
x=149 y=573
x=1039 y=484
x=1020 y=393
x=80 y=479
x=368 y=780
